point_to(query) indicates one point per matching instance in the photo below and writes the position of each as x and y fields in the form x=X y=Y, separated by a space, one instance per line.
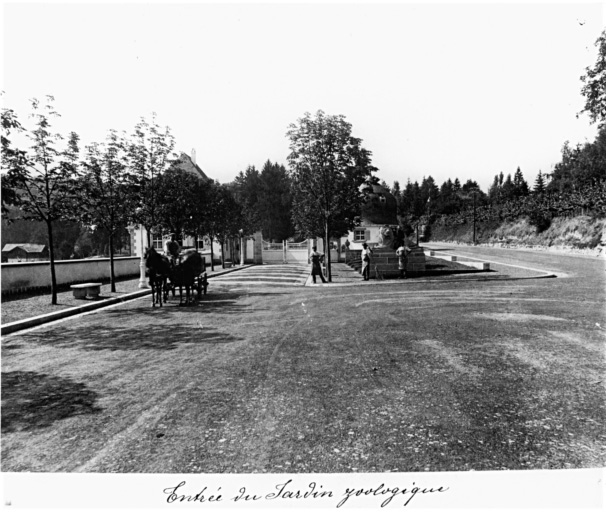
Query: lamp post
x=474 y=192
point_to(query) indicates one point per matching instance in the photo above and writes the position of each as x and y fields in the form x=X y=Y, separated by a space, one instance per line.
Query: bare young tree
x=42 y=178
x=108 y=196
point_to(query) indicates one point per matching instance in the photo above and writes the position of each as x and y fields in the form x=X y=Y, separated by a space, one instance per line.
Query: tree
x=107 y=186
x=328 y=167
x=177 y=192
x=407 y=199
x=266 y=200
x=519 y=184
x=275 y=202
x=448 y=201
x=11 y=157
x=246 y=189
x=539 y=184
x=429 y=196
x=494 y=192
x=42 y=180
x=224 y=218
x=594 y=88
x=150 y=154
x=507 y=189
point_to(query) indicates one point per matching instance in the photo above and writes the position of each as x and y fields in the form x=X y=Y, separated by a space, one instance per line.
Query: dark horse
x=187 y=274
x=158 y=270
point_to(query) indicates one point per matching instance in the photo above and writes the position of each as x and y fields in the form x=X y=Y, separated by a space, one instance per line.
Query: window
x=158 y=242
x=359 y=235
x=200 y=242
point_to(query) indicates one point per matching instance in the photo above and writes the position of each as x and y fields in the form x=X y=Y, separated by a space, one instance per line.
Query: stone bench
x=81 y=291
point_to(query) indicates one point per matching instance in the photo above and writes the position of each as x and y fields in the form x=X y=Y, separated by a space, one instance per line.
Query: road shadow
x=218 y=302
x=172 y=308
x=245 y=293
x=33 y=400
x=447 y=269
x=113 y=337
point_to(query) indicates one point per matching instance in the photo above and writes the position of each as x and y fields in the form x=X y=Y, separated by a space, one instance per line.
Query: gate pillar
x=258 y=248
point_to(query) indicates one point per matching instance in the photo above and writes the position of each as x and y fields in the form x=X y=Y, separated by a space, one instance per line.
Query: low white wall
x=18 y=277
x=297 y=256
x=273 y=256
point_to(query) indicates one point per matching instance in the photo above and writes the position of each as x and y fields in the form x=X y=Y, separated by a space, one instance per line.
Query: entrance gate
x=286 y=252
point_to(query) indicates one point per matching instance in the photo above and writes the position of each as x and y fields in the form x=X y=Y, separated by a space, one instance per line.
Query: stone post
x=142 y=280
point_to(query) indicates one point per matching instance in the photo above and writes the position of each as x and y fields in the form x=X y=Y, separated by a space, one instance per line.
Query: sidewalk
x=24 y=312
x=344 y=275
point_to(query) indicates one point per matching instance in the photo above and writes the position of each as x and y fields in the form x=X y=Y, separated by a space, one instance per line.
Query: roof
x=26 y=247
x=186 y=163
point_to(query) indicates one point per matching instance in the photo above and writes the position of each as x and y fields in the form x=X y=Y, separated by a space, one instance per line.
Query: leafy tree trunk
x=222 y=253
x=51 y=255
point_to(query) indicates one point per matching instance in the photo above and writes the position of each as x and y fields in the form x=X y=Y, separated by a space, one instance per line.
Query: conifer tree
x=539 y=184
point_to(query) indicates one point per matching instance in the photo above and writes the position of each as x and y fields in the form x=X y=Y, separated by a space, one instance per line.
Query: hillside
x=581 y=233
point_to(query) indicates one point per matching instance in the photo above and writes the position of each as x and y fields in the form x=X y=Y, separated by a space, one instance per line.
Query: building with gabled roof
x=12 y=253
x=188 y=164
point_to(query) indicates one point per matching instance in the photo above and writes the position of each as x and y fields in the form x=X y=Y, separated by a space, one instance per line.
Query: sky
x=448 y=90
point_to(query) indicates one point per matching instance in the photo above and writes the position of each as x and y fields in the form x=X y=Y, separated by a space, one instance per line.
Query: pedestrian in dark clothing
x=402 y=254
x=316 y=268
x=366 y=252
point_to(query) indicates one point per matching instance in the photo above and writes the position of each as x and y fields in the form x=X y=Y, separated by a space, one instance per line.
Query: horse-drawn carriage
x=187 y=271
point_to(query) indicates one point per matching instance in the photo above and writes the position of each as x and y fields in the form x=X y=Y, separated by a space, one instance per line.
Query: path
x=415 y=376
x=274 y=275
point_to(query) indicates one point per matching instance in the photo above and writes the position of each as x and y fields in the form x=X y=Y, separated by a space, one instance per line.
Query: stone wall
x=416 y=260
x=23 y=277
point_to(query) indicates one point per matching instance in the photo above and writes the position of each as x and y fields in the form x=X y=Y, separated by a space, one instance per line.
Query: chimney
x=193 y=156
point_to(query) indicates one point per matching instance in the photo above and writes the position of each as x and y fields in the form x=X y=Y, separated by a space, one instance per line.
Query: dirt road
x=413 y=376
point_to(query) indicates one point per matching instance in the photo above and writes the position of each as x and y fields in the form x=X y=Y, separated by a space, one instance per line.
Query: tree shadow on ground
x=33 y=400
x=227 y=293
x=113 y=337
x=171 y=309
x=217 y=302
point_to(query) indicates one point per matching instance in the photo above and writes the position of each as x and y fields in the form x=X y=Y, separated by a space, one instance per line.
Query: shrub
x=540 y=220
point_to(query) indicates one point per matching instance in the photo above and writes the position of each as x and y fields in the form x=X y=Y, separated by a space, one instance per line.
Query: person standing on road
x=316 y=268
x=366 y=253
x=402 y=254
x=172 y=249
